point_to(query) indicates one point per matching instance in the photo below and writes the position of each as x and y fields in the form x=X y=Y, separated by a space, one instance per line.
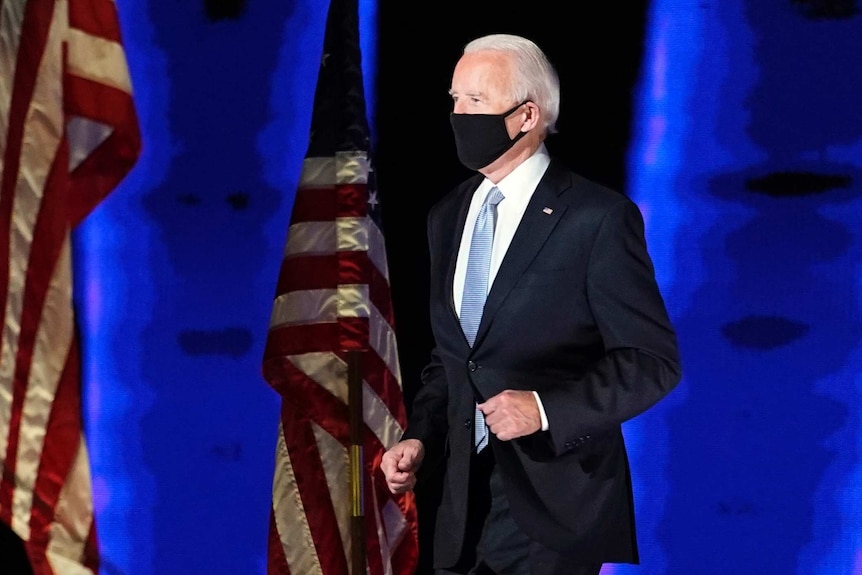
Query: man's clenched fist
x=400 y=463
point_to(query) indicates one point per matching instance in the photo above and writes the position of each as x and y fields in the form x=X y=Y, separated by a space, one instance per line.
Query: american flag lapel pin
x=548 y=211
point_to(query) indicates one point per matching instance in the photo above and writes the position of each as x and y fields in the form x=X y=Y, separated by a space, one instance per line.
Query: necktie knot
x=494 y=197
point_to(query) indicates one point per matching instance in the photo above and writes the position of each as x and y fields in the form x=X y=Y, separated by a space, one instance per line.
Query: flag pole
x=357 y=516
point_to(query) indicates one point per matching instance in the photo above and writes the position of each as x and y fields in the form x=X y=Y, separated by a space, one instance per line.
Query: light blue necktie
x=476 y=286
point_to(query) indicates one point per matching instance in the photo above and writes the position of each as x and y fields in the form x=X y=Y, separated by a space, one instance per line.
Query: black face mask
x=482 y=138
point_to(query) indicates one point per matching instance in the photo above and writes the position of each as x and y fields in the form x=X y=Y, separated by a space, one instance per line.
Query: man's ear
x=532 y=117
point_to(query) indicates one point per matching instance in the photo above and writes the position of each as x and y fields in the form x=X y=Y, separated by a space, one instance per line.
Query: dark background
x=597 y=50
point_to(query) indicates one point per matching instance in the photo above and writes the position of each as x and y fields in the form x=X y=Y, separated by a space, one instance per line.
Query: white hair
x=533 y=76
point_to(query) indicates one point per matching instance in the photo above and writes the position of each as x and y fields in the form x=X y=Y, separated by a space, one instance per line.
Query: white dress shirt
x=517 y=189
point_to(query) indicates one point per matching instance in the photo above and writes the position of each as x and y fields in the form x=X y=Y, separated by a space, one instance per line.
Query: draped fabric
x=332 y=303
x=68 y=135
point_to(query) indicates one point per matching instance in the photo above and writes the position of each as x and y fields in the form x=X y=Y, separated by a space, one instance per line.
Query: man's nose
x=459 y=108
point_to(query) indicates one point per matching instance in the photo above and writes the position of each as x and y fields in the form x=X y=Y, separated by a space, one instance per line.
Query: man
x=572 y=340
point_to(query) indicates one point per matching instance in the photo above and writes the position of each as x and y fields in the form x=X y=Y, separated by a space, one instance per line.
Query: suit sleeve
x=427 y=421
x=641 y=360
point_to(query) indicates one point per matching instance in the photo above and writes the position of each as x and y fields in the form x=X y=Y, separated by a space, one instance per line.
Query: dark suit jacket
x=575 y=314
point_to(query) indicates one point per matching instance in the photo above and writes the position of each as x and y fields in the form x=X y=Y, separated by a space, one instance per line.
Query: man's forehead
x=481 y=81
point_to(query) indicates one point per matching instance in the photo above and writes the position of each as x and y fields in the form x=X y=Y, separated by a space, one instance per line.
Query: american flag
x=332 y=302
x=68 y=135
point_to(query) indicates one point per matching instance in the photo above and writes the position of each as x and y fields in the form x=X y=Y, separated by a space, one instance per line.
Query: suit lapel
x=541 y=216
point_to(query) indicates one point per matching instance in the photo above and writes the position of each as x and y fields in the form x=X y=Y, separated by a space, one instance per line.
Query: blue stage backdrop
x=747 y=166
x=746 y=163
x=175 y=277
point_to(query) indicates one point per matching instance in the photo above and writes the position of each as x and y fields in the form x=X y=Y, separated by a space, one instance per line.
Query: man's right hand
x=400 y=463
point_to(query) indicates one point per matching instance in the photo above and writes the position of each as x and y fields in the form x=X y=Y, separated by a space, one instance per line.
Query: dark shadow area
x=13 y=557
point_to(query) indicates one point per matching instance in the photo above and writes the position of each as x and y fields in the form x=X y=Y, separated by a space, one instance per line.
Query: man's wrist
x=541 y=411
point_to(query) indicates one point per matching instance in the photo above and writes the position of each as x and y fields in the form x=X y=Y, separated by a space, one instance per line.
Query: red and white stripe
x=68 y=135
x=333 y=296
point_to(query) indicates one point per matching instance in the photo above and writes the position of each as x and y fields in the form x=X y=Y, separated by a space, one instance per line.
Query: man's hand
x=511 y=414
x=400 y=463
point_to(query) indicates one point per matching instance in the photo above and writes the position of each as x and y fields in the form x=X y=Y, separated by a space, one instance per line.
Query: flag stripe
x=276 y=563
x=299 y=341
x=34 y=133
x=314 y=204
x=310 y=272
x=324 y=402
x=383 y=401
x=323 y=270
x=100 y=169
x=312 y=491
x=324 y=203
x=45 y=340
x=58 y=455
x=341 y=234
x=96 y=18
x=331 y=300
x=329 y=371
x=318 y=404
x=11 y=18
x=66 y=141
x=325 y=405
x=32 y=38
x=98 y=60
x=86 y=97
x=342 y=167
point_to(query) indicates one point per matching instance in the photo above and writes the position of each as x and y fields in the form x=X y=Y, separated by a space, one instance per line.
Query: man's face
x=479 y=84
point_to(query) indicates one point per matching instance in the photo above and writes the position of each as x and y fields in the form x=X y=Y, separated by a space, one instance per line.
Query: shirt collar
x=520 y=184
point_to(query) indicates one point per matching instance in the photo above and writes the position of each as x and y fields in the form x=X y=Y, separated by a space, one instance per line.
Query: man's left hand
x=512 y=414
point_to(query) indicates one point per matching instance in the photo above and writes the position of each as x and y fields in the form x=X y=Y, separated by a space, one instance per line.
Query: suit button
x=471 y=365
x=468 y=423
